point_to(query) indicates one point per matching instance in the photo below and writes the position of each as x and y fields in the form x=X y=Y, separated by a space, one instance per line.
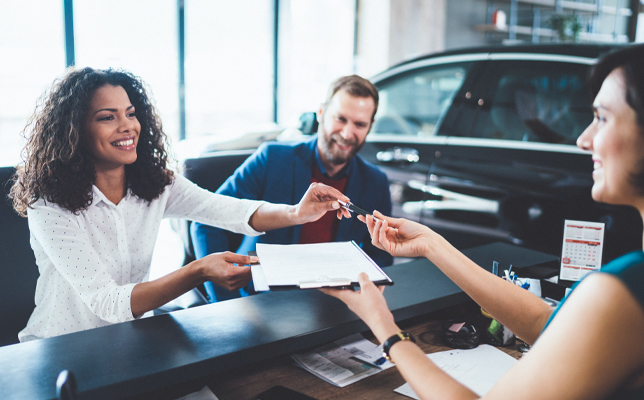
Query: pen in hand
x=352 y=208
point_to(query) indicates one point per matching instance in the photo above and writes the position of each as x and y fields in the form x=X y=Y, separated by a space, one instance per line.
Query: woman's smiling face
x=616 y=142
x=111 y=128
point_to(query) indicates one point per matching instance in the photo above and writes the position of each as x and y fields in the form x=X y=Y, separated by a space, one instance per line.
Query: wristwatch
x=400 y=336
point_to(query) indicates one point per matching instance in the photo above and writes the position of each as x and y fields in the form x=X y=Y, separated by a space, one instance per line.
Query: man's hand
x=318 y=200
x=221 y=269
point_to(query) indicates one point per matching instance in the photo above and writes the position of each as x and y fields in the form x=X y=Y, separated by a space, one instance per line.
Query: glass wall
x=315 y=47
x=138 y=36
x=229 y=59
x=32 y=48
x=229 y=67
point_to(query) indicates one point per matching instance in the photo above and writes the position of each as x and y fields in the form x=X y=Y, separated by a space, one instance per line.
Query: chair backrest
x=18 y=270
x=210 y=172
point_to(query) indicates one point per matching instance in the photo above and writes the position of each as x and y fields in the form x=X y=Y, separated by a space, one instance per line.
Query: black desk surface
x=133 y=358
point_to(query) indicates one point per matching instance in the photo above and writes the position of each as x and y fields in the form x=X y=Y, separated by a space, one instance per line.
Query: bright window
x=315 y=47
x=33 y=55
x=228 y=67
x=139 y=36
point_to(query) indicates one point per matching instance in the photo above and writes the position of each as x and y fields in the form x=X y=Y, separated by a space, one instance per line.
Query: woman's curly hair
x=58 y=167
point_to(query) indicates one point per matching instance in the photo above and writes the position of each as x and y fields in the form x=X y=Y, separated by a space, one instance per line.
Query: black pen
x=349 y=206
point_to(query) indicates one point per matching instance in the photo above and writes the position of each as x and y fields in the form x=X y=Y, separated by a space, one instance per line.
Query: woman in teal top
x=592 y=347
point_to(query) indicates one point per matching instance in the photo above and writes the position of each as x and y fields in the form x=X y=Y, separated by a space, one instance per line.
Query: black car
x=479 y=145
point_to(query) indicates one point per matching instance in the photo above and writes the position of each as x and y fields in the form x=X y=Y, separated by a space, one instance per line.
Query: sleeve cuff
x=253 y=206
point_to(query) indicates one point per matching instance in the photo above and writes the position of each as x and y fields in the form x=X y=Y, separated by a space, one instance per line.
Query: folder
x=312 y=266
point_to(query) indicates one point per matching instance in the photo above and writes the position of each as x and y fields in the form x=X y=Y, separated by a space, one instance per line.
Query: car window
x=415 y=103
x=546 y=102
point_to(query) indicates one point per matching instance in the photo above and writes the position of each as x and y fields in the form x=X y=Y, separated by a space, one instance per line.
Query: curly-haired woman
x=95 y=187
x=592 y=345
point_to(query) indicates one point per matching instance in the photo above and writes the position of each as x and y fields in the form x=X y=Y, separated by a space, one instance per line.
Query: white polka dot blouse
x=90 y=262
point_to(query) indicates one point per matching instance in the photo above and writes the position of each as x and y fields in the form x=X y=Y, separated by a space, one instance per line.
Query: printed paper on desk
x=203 y=394
x=479 y=369
x=336 y=362
x=293 y=265
x=582 y=249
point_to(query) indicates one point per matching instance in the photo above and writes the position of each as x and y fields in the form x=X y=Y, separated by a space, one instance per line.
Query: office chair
x=18 y=269
x=209 y=172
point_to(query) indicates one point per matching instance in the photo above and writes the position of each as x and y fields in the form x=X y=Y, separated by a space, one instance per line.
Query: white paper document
x=582 y=249
x=336 y=362
x=313 y=265
x=203 y=394
x=478 y=368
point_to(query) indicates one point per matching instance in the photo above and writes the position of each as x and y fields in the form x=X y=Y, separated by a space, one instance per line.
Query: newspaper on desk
x=477 y=368
x=339 y=362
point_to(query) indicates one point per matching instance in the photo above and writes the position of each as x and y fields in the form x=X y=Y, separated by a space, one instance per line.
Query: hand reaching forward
x=221 y=269
x=318 y=199
x=397 y=236
x=369 y=304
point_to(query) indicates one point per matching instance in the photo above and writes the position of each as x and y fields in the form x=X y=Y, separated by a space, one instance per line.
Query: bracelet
x=400 y=336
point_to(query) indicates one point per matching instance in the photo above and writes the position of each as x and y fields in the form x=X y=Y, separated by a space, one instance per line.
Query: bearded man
x=281 y=172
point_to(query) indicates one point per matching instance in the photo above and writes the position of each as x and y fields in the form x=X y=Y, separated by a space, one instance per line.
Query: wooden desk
x=246 y=382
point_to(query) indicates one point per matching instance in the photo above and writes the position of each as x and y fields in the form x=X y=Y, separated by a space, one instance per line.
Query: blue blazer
x=280 y=172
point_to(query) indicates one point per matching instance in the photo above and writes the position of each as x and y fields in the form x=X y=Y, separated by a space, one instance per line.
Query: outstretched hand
x=369 y=304
x=318 y=200
x=221 y=269
x=397 y=236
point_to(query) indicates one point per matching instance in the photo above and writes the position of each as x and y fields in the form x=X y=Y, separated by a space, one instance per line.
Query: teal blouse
x=629 y=269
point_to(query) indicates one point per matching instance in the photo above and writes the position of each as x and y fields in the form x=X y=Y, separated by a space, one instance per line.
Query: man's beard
x=339 y=157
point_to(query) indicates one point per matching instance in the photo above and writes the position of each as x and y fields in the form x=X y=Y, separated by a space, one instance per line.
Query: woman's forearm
x=151 y=295
x=274 y=216
x=521 y=311
x=318 y=200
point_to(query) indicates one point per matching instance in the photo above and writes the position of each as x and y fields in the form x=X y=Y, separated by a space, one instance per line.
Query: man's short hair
x=356 y=86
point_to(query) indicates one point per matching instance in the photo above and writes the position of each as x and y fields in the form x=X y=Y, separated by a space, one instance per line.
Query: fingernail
x=254 y=259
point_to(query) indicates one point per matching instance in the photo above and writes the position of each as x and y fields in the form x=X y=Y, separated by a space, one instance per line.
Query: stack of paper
x=313 y=266
x=338 y=363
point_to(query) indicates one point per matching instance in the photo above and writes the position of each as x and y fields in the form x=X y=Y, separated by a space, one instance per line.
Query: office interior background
x=222 y=69
x=219 y=69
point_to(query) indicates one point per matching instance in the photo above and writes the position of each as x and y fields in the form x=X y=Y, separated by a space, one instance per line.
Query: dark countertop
x=133 y=358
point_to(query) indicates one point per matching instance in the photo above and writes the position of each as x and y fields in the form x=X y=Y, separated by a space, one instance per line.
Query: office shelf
x=546 y=32
x=596 y=19
x=577 y=6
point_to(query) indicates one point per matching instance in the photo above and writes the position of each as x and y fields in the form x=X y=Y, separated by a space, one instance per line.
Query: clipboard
x=314 y=266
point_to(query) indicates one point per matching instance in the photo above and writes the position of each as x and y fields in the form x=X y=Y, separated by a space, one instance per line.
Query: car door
x=511 y=149
x=497 y=159
x=406 y=134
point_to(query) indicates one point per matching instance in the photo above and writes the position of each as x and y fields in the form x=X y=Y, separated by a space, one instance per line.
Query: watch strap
x=398 y=337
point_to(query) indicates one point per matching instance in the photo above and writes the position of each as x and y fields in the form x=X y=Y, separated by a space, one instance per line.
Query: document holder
x=313 y=266
x=319 y=283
